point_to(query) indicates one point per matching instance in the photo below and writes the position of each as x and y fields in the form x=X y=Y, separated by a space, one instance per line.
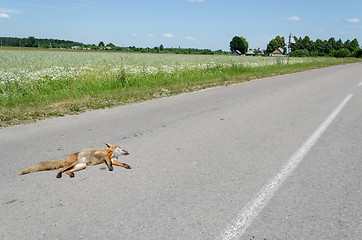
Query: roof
x=278 y=50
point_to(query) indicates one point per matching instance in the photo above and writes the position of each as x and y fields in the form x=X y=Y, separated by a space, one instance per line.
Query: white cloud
x=134 y=34
x=150 y=35
x=189 y=38
x=196 y=1
x=4 y=12
x=4 y=16
x=353 y=20
x=293 y=18
x=169 y=35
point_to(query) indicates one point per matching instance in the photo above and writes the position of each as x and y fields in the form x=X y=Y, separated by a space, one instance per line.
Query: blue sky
x=202 y=24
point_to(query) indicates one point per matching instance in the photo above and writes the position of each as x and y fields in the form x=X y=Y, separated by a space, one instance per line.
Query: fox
x=80 y=160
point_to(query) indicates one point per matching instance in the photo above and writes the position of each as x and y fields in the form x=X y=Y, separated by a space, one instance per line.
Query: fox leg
x=77 y=167
x=109 y=161
x=64 y=169
x=114 y=162
x=71 y=162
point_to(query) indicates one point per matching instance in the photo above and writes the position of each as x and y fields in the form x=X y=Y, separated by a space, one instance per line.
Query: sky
x=203 y=24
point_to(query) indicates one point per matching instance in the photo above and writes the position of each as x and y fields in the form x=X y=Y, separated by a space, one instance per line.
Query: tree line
x=66 y=44
x=37 y=42
x=300 y=47
x=305 y=47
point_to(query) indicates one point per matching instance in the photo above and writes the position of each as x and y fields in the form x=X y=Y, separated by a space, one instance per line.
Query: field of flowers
x=33 y=66
x=31 y=73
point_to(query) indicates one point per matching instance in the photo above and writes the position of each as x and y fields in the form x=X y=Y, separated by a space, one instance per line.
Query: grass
x=36 y=85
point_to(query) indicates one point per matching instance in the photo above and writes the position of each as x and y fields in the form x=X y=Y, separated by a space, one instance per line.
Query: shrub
x=341 y=53
x=358 y=53
x=300 y=53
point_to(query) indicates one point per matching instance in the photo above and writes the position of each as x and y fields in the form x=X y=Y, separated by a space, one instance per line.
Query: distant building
x=77 y=48
x=250 y=53
x=260 y=53
x=237 y=53
x=278 y=52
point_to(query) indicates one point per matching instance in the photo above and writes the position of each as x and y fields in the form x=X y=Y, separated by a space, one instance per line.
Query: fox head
x=117 y=151
x=113 y=152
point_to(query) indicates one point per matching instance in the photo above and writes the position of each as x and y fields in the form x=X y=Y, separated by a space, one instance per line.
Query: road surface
x=276 y=158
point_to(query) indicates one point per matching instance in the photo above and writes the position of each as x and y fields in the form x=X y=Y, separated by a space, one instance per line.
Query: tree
x=101 y=44
x=294 y=46
x=240 y=44
x=307 y=43
x=274 y=44
x=29 y=42
x=328 y=46
x=347 y=43
x=319 y=47
x=93 y=47
x=161 y=47
x=339 y=44
x=331 y=44
x=358 y=53
x=354 y=46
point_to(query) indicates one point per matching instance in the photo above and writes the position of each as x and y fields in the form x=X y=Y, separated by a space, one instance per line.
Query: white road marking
x=360 y=84
x=260 y=200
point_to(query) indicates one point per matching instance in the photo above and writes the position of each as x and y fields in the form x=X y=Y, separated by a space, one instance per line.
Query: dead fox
x=80 y=160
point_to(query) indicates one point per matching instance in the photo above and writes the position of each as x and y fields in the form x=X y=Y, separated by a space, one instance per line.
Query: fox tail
x=43 y=166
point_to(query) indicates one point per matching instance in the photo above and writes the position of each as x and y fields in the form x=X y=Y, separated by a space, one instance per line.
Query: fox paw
x=127 y=166
x=59 y=175
x=71 y=175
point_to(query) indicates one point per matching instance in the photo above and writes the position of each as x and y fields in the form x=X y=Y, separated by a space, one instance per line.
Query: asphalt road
x=201 y=162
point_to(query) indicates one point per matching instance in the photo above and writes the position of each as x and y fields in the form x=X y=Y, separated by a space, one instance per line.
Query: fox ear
x=108 y=145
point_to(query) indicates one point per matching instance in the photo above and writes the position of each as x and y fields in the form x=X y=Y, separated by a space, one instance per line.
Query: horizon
x=198 y=24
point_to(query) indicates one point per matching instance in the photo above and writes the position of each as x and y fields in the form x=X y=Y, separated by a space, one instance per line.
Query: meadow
x=39 y=84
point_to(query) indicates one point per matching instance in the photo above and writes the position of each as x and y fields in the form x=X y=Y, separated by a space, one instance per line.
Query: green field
x=39 y=84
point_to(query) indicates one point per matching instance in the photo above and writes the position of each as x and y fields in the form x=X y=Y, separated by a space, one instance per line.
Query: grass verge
x=29 y=102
